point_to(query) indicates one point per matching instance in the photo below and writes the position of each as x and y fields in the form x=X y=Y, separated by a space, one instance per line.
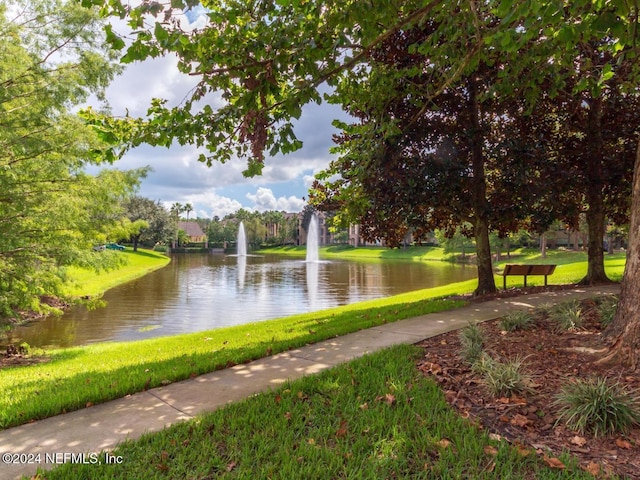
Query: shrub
x=518 y=320
x=503 y=378
x=598 y=407
x=472 y=343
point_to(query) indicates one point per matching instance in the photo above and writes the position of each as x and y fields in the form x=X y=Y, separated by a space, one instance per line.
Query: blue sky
x=177 y=176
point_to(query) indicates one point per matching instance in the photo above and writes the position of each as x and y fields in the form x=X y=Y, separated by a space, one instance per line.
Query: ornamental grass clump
x=598 y=407
x=472 y=343
x=518 y=320
x=607 y=307
x=503 y=379
x=566 y=316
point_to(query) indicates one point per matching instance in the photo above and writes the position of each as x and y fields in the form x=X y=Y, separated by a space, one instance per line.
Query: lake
x=198 y=292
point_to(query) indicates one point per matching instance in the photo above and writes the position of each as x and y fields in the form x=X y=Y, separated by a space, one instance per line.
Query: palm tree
x=177 y=208
x=188 y=208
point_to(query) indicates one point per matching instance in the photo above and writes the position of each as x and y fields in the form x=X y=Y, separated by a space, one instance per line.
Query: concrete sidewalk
x=103 y=426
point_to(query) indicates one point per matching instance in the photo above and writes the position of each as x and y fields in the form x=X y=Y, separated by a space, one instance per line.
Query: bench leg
x=525 y=281
x=504 y=282
x=545 y=280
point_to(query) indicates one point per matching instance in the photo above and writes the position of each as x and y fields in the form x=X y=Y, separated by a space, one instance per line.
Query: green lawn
x=349 y=252
x=99 y=372
x=86 y=282
x=376 y=417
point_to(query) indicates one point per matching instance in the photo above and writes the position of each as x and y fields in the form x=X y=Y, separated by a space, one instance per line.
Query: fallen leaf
x=364 y=406
x=495 y=436
x=490 y=450
x=518 y=400
x=623 y=443
x=520 y=420
x=522 y=450
x=311 y=441
x=231 y=466
x=579 y=441
x=593 y=468
x=389 y=399
x=435 y=369
x=342 y=431
x=553 y=462
x=89 y=404
x=504 y=400
x=444 y=443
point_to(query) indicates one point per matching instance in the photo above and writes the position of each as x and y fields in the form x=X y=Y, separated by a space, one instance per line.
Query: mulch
x=529 y=420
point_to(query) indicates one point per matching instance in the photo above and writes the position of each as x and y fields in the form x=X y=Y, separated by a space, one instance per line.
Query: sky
x=176 y=174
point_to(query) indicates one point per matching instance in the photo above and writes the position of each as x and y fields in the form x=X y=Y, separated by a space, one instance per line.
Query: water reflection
x=312 y=282
x=201 y=292
x=242 y=271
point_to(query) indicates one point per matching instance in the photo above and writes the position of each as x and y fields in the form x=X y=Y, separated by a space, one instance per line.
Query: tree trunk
x=486 y=281
x=624 y=332
x=595 y=247
x=595 y=200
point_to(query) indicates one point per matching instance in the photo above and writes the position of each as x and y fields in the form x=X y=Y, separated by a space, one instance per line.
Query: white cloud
x=264 y=200
x=209 y=204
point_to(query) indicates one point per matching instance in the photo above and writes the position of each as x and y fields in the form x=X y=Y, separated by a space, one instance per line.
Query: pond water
x=199 y=292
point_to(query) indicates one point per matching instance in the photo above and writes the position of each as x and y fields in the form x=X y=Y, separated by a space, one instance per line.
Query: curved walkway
x=102 y=427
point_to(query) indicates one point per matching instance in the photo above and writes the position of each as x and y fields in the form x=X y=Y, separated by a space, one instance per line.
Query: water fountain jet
x=241 y=241
x=313 y=238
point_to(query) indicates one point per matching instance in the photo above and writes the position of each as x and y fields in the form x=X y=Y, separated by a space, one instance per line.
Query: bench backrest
x=529 y=269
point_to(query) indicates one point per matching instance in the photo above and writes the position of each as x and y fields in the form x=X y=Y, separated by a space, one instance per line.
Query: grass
x=96 y=373
x=517 y=320
x=571 y=266
x=503 y=378
x=566 y=316
x=86 y=282
x=607 y=307
x=376 y=417
x=471 y=343
x=598 y=406
x=349 y=252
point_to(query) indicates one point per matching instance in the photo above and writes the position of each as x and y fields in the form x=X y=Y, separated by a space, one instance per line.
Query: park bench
x=526 y=270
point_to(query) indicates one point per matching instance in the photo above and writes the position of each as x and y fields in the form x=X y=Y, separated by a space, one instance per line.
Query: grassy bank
x=85 y=282
x=74 y=377
x=349 y=252
x=376 y=417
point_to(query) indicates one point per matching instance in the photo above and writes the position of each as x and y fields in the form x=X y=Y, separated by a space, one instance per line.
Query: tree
x=585 y=148
x=176 y=210
x=441 y=160
x=188 y=208
x=614 y=28
x=158 y=220
x=51 y=211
